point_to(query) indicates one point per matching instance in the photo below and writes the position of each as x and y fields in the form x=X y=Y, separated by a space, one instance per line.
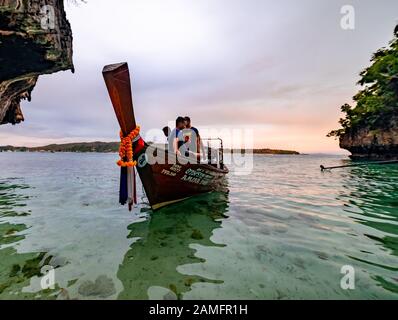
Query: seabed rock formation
x=35 y=39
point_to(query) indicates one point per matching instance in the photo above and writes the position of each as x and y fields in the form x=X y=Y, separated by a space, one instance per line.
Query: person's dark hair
x=166 y=131
x=179 y=120
x=187 y=119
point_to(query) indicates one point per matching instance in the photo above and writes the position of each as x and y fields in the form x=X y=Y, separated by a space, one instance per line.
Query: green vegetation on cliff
x=377 y=102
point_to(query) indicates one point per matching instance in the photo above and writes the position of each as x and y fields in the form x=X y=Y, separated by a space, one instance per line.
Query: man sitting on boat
x=176 y=138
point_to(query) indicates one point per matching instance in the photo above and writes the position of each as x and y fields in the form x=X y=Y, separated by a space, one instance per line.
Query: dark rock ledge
x=28 y=50
x=377 y=144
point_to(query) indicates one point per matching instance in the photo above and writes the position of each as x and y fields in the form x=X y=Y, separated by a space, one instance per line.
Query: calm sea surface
x=283 y=232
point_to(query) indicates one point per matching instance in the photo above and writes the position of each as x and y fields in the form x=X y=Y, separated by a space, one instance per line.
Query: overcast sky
x=281 y=68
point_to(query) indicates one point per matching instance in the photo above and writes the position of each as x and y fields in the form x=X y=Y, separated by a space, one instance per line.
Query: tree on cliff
x=377 y=102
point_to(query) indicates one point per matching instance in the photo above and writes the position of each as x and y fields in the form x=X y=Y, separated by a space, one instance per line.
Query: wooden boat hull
x=169 y=183
x=165 y=182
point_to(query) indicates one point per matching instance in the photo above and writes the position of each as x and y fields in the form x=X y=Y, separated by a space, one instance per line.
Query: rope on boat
x=323 y=168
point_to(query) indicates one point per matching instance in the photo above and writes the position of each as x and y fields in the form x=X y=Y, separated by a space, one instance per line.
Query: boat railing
x=215 y=156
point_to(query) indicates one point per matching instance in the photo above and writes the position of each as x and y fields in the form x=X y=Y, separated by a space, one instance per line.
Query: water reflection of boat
x=164 y=244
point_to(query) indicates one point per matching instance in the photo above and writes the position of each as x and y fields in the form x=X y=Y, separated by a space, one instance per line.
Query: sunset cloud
x=281 y=68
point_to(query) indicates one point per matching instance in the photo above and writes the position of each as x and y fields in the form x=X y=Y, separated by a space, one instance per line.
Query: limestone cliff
x=35 y=39
x=369 y=129
x=377 y=144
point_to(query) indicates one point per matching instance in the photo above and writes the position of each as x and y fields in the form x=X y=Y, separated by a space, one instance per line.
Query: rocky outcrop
x=379 y=144
x=35 y=39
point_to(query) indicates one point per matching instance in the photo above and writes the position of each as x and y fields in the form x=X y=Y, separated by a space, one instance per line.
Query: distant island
x=96 y=146
x=105 y=147
x=263 y=151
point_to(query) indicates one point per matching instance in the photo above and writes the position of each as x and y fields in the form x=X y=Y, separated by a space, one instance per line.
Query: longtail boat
x=165 y=182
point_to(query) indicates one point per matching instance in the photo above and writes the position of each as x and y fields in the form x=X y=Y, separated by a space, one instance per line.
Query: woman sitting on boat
x=192 y=138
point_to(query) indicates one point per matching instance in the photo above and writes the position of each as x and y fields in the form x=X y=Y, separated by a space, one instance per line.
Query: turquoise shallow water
x=283 y=232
